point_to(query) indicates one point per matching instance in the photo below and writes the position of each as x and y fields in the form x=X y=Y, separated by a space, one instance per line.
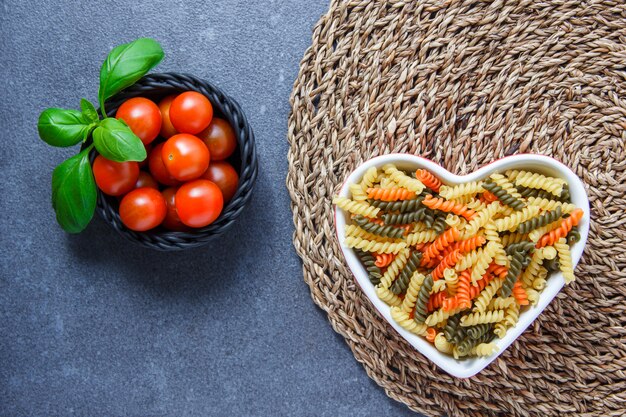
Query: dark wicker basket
x=156 y=86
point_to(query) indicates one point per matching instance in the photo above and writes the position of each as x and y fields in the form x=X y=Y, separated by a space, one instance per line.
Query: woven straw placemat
x=464 y=83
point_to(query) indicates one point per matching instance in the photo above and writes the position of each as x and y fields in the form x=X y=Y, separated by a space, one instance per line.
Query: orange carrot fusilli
x=428 y=179
x=449 y=206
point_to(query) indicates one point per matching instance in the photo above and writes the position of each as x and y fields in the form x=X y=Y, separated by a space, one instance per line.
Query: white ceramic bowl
x=537 y=163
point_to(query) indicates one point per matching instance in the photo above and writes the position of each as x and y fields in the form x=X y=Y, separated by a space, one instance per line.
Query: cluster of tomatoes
x=187 y=180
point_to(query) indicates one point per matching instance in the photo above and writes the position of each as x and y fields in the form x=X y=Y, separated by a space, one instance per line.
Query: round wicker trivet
x=464 y=83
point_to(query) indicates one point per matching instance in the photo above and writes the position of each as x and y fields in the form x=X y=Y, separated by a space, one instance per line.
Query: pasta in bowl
x=461 y=265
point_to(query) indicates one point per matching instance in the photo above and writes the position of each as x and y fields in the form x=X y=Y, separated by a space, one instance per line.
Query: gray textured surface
x=91 y=325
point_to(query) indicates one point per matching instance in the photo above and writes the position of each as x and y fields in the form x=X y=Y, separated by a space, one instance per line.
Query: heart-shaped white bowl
x=468 y=367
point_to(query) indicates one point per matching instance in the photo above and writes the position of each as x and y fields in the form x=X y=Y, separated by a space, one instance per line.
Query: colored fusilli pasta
x=459 y=264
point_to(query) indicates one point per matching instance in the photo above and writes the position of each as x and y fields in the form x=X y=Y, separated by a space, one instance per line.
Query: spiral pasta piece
x=573 y=236
x=483 y=261
x=439 y=286
x=438 y=316
x=357 y=192
x=500 y=303
x=539 y=283
x=533 y=296
x=565 y=226
x=403 y=180
x=484 y=349
x=439 y=224
x=481 y=219
x=440 y=243
x=356 y=207
x=451 y=278
x=515 y=268
x=404 y=320
x=402 y=206
x=478 y=331
x=461 y=190
x=374 y=246
x=453 y=331
x=504 y=182
x=462 y=297
x=387 y=183
x=546 y=204
x=473 y=319
x=421 y=237
x=504 y=196
x=511 y=222
x=520 y=294
x=539 y=181
x=435 y=301
x=394 y=268
x=422 y=299
x=448 y=207
x=408 y=303
x=405 y=218
x=484 y=298
x=446 y=263
x=465 y=347
x=390 y=194
x=476 y=205
x=539 y=221
x=383 y=259
x=369 y=178
x=355 y=231
x=489 y=197
x=442 y=344
x=373 y=271
x=428 y=179
x=510 y=238
x=565 y=260
x=532 y=270
x=387 y=296
x=511 y=317
x=400 y=284
x=535 y=235
x=452 y=220
x=376 y=229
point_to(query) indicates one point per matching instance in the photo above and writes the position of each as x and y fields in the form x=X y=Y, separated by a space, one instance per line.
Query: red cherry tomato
x=115 y=178
x=224 y=176
x=146 y=180
x=185 y=156
x=157 y=168
x=145 y=161
x=172 y=221
x=199 y=203
x=142 y=116
x=143 y=209
x=167 y=128
x=191 y=112
x=219 y=137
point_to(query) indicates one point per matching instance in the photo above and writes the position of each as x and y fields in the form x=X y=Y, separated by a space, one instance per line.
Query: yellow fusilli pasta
x=356 y=207
x=374 y=246
x=403 y=180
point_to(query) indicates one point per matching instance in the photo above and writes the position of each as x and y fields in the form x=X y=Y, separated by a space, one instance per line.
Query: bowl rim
x=467 y=367
x=230 y=109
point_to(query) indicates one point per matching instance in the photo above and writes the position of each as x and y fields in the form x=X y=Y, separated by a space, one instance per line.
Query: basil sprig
x=74 y=191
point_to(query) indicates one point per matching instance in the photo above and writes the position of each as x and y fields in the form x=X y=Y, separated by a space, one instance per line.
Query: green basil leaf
x=59 y=127
x=89 y=111
x=126 y=64
x=74 y=192
x=115 y=141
